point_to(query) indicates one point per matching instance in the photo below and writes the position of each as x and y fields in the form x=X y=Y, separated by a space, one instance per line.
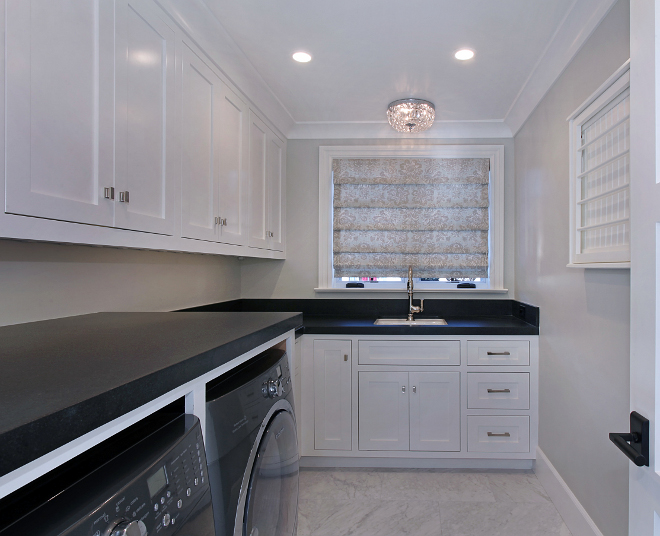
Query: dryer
x=252 y=448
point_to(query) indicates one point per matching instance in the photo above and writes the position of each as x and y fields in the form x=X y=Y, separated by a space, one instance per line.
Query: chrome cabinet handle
x=414 y=388
x=403 y=388
x=499 y=390
x=345 y=357
x=498 y=353
x=123 y=197
x=109 y=193
x=505 y=434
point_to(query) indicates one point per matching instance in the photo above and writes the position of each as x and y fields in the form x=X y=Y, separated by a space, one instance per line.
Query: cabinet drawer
x=498 y=390
x=493 y=433
x=498 y=352
x=409 y=352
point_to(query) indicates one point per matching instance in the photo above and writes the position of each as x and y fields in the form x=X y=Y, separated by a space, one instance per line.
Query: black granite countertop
x=475 y=325
x=63 y=378
x=356 y=317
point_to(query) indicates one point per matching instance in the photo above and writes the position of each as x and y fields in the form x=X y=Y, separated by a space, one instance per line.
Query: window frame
x=597 y=101
x=495 y=153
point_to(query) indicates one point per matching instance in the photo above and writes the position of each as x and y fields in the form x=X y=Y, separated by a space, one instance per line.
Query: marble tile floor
x=425 y=502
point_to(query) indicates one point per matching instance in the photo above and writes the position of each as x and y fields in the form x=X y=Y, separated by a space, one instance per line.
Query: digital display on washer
x=157 y=482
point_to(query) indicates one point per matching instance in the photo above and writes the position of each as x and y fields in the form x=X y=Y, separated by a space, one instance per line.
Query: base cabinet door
x=435 y=415
x=332 y=395
x=383 y=413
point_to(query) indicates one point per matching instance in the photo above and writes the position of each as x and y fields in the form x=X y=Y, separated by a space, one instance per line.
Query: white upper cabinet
x=266 y=187
x=214 y=194
x=59 y=109
x=145 y=119
x=117 y=119
x=200 y=94
x=233 y=131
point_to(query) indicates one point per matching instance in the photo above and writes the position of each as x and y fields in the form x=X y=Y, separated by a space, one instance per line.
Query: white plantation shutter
x=601 y=178
x=431 y=213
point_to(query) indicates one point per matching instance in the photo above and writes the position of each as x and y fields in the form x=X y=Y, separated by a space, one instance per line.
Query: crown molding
x=364 y=130
x=574 y=30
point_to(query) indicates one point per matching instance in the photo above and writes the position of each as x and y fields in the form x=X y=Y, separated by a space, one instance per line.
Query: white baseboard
x=575 y=516
x=413 y=463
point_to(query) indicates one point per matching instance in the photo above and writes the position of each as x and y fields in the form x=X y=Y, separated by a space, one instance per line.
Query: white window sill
x=418 y=291
x=610 y=265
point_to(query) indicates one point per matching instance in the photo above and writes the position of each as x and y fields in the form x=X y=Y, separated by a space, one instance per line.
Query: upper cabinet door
x=60 y=109
x=145 y=155
x=258 y=183
x=200 y=98
x=275 y=178
x=233 y=131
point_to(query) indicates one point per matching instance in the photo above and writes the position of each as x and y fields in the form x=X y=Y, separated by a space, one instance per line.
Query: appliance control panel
x=278 y=380
x=158 y=500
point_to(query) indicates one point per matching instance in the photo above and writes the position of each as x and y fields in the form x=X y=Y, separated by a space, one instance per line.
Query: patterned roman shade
x=431 y=213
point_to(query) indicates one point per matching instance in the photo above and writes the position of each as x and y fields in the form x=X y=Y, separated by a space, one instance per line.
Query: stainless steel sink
x=406 y=322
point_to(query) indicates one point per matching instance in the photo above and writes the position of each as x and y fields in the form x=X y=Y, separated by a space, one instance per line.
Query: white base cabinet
x=409 y=411
x=453 y=398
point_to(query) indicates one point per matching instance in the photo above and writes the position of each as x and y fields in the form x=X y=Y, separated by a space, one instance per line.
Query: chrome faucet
x=412 y=308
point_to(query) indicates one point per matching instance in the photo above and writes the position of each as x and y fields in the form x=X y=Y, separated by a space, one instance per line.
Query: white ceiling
x=367 y=53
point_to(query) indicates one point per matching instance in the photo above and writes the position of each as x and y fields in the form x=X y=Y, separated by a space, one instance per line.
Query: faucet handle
x=421 y=305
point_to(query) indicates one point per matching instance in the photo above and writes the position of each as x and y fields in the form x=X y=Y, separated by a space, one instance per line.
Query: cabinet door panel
x=435 y=415
x=145 y=118
x=258 y=184
x=383 y=420
x=199 y=148
x=275 y=161
x=60 y=109
x=332 y=395
x=233 y=191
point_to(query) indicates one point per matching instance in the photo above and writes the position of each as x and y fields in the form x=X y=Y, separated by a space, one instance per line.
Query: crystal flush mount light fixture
x=411 y=115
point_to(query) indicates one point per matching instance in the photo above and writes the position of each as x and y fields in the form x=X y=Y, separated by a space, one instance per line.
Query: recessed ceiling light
x=302 y=57
x=464 y=54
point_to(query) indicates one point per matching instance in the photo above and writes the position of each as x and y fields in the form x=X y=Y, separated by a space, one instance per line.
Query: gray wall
x=297 y=276
x=585 y=313
x=39 y=281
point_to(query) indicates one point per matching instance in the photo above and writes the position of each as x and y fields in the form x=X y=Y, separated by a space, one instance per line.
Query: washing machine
x=252 y=448
x=156 y=485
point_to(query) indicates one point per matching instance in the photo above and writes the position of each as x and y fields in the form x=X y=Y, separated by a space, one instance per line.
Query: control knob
x=125 y=528
x=272 y=388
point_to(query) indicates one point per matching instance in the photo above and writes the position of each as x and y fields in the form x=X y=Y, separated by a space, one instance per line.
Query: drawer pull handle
x=505 y=434
x=499 y=390
x=498 y=353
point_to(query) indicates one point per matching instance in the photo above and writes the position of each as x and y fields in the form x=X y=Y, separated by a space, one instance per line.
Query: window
x=600 y=176
x=437 y=208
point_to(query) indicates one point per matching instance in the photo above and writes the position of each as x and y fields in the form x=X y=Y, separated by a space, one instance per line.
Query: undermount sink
x=406 y=322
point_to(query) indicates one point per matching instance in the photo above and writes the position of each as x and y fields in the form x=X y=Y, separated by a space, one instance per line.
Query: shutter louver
x=604 y=182
x=431 y=213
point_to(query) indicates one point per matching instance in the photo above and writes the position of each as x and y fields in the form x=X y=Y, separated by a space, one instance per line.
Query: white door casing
x=644 y=482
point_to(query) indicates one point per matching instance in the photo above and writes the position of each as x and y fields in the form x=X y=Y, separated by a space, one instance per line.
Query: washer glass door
x=271 y=508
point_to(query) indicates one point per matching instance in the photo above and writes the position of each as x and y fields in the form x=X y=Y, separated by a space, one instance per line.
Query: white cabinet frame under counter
x=68 y=384
x=468 y=414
